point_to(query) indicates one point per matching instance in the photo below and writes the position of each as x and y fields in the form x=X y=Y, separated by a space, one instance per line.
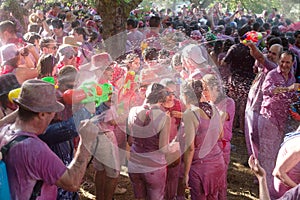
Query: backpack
x=4 y=189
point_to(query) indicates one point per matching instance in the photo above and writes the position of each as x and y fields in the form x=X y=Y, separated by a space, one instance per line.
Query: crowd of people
x=165 y=108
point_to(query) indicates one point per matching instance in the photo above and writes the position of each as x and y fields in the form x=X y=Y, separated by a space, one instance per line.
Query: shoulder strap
x=36 y=190
x=4 y=150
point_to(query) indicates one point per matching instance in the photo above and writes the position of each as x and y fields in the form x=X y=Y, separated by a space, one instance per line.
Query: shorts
x=106 y=154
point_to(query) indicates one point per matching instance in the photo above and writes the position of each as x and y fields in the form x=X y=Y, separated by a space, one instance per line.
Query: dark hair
x=275 y=31
x=285 y=43
x=218 y=47
x=44 y=42
x=154 y=21
x=256 y=26
x=45 y=65
x=296 y=33
x=157 y=93
x=227 y=44
x=288 y=52
x=267 y=26
x=67 y=74
x=150 y=53
x=34 y=28
x=57 y=23
x=274 y=40
x=81 y=31
x=75 y=24
x=132 y=22
x=244 y=29
x=31 y=37
x=8 y=26
x=193 y=91
x=228 y=30
x=26 y=115
x=163 y=53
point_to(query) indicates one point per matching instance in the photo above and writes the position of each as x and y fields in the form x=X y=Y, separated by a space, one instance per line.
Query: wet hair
x=155 y=93
x=45 y=65
x=193 y=91
x=256 y=26
x=213 y=81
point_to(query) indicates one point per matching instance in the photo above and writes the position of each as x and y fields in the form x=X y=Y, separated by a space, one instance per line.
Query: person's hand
x=30 y=47
x=91 y=107
x=88 y=132
x=256 y=168
x=185 y=182
x=294 y=87
x=176 y=114
x=24 y=51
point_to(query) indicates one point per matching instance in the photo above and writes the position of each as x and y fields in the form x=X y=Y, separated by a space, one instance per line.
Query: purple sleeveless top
x=202 y=132
x=145 y=146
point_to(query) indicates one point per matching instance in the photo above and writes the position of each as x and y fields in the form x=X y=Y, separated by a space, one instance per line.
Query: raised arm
x=256 y=53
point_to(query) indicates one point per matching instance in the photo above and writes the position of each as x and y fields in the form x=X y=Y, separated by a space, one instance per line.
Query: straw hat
x=70 y=40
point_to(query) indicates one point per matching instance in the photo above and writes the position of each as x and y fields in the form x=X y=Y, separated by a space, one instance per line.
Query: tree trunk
x=114 y=15
x=17 y=11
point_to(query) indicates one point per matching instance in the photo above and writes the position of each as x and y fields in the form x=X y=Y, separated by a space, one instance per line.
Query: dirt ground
x=240 y=179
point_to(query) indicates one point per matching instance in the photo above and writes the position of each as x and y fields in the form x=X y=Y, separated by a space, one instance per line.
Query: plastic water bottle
x=4 y=186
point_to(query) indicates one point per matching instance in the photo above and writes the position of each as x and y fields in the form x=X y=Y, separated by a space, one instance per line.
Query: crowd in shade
x=165 y=108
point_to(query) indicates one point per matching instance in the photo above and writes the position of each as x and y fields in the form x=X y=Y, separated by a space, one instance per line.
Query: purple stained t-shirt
x=28 y=161
x=276 y=106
